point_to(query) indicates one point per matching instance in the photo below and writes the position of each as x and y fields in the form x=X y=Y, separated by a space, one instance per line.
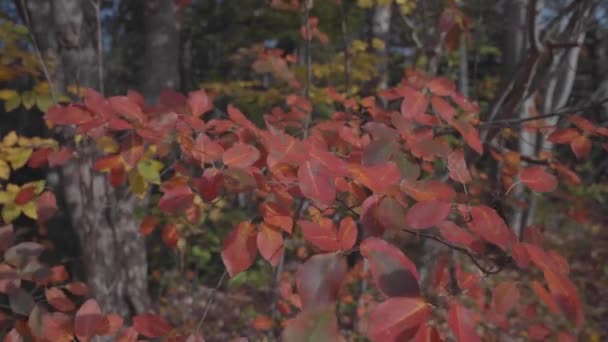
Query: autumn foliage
x=356 y=183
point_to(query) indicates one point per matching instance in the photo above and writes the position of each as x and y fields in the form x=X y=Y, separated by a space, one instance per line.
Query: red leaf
x=487 y=224
x=427 y=214
x=470 y=135
x=241 y=155
x=316 y=183
x=59 y=158
x=25 y=195
x=147 y=225
x=581 y=146
x=394 y=274
x=127 y=107
x=110 y=325
x=428 y=190
x=108 y=163
x=538 y=332
x=199 y=102
x=151 y=325
x=209 y=185
x=58 y=299
x=582 y=123
x=537 y=179
x=323 y=237
x=239 y=118
x=391 y=318
x=391 y=213
x=176 y=198
x=441 y=86
x=87 y=320
x=270 y=243
x=57 y=327
x=347 y=234
x=458 y=167
x=39 y=158
x=378 y=151
x=46 y=205
x=414 y=103
x=67 y=115
x=565 y=294
x=544 y=295
x=451 y=232
x=427 y=333
x=461 y=323
x=78 y=288
x=170 y=235
x=319 y=280
x=378 y=178
x=563 y=136
x=504 y=297
x=239 y=249
x=443 y=108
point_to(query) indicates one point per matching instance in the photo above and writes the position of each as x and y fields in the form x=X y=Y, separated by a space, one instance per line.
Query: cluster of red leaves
x=363 y=168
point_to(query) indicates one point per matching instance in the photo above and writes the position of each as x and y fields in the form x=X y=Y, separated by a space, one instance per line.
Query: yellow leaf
x=38 y=185
x=10 y=212
x=30 y=211
x=365 y=3
x=41 y=88
x=10 y=139
x=18 y=157
x=12 y=104
x=359 y=45
x=137 y=183
x=150 y=170
x=108 y=145
x=378 y=44
x=5 y=197
x=7 y=94
x=5 y=170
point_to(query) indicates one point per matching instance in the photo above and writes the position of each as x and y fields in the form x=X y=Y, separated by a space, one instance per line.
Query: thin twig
x=456 y=248
x=210 y=301
x=45 y=70
x=564 y=111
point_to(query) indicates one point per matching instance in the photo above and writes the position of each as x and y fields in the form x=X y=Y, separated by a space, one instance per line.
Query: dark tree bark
x=113 y=252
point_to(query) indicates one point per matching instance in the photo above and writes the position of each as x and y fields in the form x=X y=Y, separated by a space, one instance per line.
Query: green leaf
x=44 y=102
x=28 y=98
x=12 y=103
x=10 y=212
x=150 y=170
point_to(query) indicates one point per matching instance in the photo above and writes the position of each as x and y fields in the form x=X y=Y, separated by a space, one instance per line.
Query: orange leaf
x=147 y=225
x=347 y=234
x=241 y=155
x=58 y=299
x=270 y=243
x=537 y=179
x=581 y=146
x=239 y=249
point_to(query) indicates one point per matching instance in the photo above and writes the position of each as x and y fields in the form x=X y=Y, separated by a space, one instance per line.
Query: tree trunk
x=161 y=55
x=381 y=27
x=113 y=252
